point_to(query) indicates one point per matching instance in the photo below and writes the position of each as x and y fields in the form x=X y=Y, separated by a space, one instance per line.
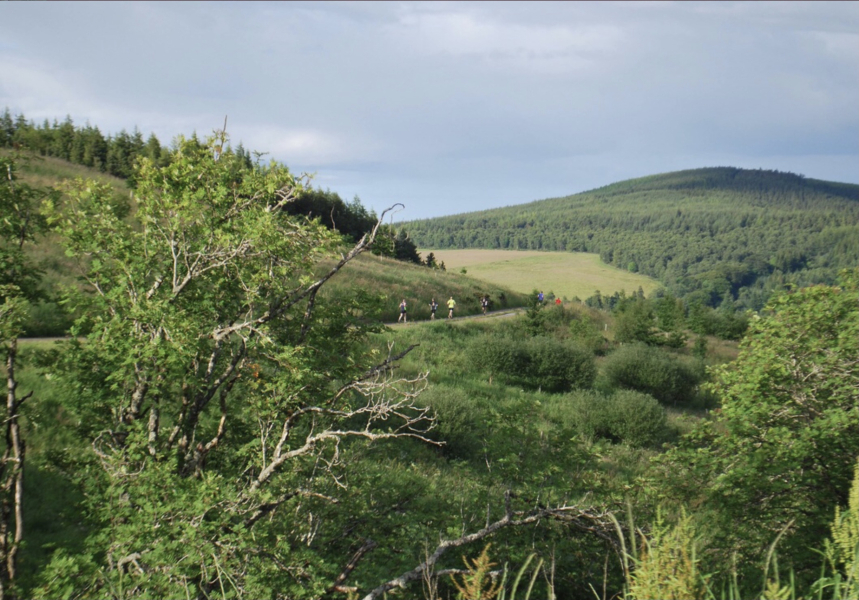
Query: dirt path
x=493 y=314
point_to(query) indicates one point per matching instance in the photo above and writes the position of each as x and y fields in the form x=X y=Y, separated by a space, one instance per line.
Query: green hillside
x=391 y=280
x=705 y=234
x=216 y=428
x=387 y=280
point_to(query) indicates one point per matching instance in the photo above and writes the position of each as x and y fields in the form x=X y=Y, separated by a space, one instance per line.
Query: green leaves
x=785 y=443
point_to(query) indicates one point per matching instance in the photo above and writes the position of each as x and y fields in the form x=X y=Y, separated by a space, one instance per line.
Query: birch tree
x=219 y=390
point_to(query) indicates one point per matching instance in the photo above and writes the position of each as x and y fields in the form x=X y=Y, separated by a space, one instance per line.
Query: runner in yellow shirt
x=451 y=304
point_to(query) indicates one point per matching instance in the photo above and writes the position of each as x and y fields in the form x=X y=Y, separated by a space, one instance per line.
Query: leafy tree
x=781 y=453
x=634 y=322
x=350 y=219
x=405 y=249
x=221 y=394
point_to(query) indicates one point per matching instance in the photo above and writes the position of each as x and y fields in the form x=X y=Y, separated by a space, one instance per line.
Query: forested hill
x=715 y=235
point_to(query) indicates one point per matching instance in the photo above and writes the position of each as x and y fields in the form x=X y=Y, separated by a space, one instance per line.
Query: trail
x=493 y=314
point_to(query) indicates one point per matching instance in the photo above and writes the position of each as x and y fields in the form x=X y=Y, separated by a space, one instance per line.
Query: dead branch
x=338 y=586
x=572 y=514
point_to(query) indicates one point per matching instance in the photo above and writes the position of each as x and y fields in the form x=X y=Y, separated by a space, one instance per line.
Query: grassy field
x=566 y=274
x=397 y=280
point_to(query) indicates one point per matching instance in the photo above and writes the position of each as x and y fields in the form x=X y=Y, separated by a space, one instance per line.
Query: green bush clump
x=652 y=371
x=459 y=420
x=625 y=416
x=538 y=363
x=46 y=319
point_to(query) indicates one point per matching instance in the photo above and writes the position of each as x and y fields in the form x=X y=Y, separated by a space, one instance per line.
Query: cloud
x=544 y=48
x=306 y=147
x=454 y=105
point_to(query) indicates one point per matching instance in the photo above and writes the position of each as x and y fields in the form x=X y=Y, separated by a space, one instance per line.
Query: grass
x=395 y=280
x=566 y=274
x=47 y=171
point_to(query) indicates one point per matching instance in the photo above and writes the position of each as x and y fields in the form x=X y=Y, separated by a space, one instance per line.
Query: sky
x=453 y=107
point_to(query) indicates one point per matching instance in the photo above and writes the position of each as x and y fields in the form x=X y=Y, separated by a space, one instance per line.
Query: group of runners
x=451 y=304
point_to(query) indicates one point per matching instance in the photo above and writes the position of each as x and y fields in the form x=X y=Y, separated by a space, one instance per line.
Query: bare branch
x=337 y=586
x=385 y=399
x=573 y=514
x=308 y=293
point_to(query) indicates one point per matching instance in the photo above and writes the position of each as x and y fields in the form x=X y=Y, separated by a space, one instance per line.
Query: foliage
x=668 y=565
x=350 y=219
x=397 y=244
x=538 y=363
x=476 y=583
x=669 y=562
x=623 y=416
x=843 y=551
x=86 y=146
x=19 y=223
x=208 y=387
x=781 y=453
x=711 y=231
x=652 y=371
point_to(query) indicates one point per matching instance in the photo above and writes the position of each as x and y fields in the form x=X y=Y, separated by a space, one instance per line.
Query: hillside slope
x=708 y=234
x=395 y=280
x=380 y=279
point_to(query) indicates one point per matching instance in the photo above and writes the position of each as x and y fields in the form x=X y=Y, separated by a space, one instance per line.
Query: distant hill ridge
x=719 y=236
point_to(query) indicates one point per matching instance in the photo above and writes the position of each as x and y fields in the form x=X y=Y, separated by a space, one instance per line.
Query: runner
x=540 y=297
x=433 y=308
x=484 y=302
x=403 y=317
x=557 y=301
x=451 y=304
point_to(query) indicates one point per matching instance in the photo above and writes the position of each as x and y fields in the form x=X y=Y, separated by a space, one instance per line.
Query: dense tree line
x=87 y=145
x=706 y=234
x=118 y=154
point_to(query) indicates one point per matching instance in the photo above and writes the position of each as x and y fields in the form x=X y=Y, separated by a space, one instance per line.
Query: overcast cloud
x=452 y=107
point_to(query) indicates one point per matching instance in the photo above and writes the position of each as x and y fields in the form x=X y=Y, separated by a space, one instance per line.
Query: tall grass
x=666 y=563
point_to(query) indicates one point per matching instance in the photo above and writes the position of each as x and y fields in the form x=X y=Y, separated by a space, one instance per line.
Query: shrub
x=503 y=357
x=637 y=419
x=587 y=333
x=47 y=319
x=459 y=420
x=625 y=416
x=538 y=363
x=556 y=366
x=652 y=371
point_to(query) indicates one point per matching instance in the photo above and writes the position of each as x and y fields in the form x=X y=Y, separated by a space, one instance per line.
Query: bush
x=625 y=416
x=459 y=420
x=538 y=363
x=556 y=366
x=588 y=335
x=47 y=319
x=652 y=371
